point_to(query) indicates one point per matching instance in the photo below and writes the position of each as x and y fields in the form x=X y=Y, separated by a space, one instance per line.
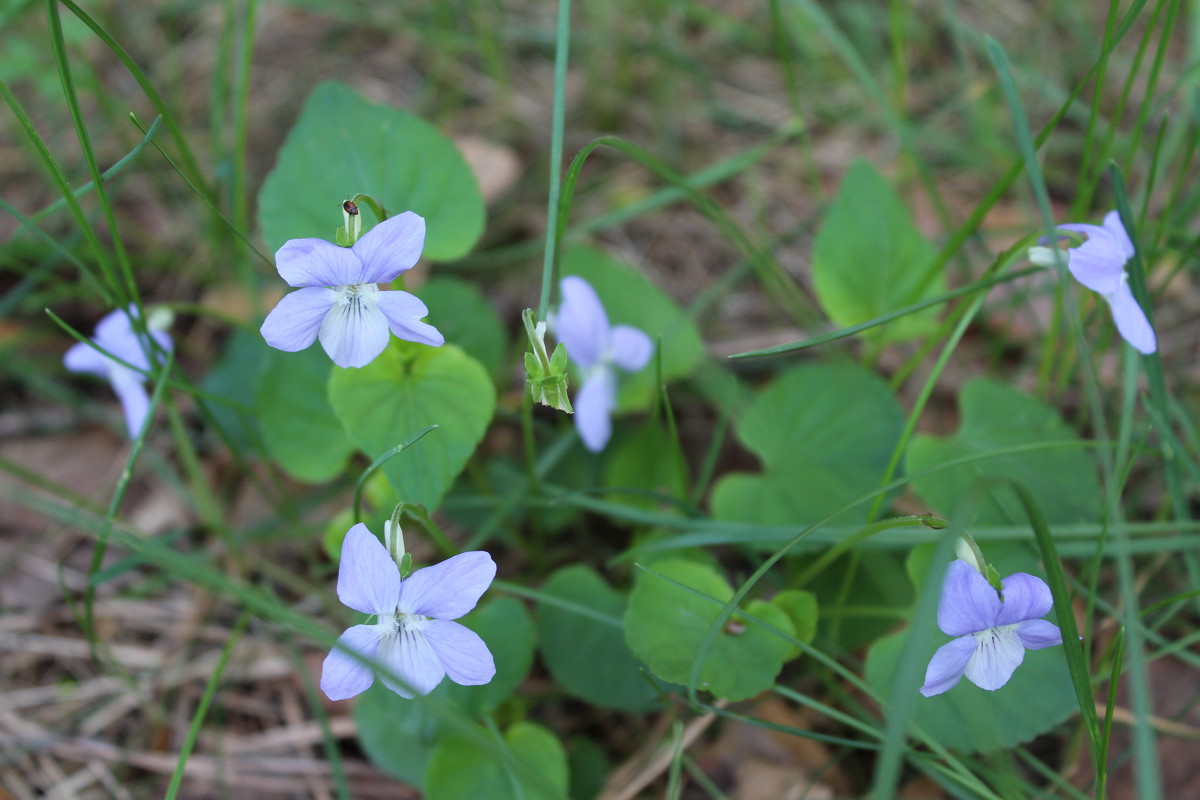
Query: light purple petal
x=946 y=667
x=998 y=653
x=581 y=323
x=449 y=589
x=293 y=324
x=593 y=409
x=354 y=331
x=1131 y=320
x=344 y=676
x=403 y=312
x=1097 y=270
x=631 y=348
x=135 y=402
x=1038 y=633
x=316 y=262
x=391 y=247
x=409 y=656
x=464 y=655
x=1025 y=597
x=969 y=603
x=81 y=357
x=368 y=579
x=1112 y=224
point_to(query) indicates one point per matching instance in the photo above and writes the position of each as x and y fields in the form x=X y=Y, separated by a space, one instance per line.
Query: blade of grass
x=210 y=691
x=562 y=47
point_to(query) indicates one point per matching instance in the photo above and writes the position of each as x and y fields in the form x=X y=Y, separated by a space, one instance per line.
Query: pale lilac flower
x=596 y=347
x=339 y=299
x=992 y=634
x=115 y=334
x=413 y=638
x=1099 y=264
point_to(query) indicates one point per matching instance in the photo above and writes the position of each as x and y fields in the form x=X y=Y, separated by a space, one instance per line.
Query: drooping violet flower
x=413 y=637
x=993 y=634
x=339 y=300
x=115 y=334
x=1099 y=264
x=596 y=347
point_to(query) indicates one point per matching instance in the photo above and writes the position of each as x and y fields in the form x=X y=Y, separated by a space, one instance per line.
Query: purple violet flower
x=993 y=634
x=413 y=637
x=115 y=334
x=596 y=347
x=1099 y=264
x=339 y=300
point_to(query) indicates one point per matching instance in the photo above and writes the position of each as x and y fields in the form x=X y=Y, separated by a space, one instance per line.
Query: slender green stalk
x=562 y=51
x=135 y=452
x=210 y=691
x=126 y=292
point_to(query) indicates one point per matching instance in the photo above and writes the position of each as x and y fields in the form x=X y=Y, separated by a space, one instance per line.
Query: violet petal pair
x=413 y=638
x=339 y=300
x=1099 y=264
x=115 y=334
x=993 y=635
x=596 y=347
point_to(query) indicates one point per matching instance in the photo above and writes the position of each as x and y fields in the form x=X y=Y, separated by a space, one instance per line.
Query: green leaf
x=801 y=609
x=859 y=595
x=645 y=460
x=630 y=299
x=994 y=417
x=869 y=257
x=463 y=770
x=234 y=378
x=587 y=657
x=342 y=145
x=407 y=388
x=824 y=433
x=400 y=735
x=666 y=624
x=465 y=317
x=298 y=427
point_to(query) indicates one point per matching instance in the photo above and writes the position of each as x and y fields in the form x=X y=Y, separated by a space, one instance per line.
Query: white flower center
x=355 y=296
x=992 y=636
x=398 y=622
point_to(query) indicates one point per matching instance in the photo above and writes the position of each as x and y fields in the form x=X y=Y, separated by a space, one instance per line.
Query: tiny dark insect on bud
x=350 y=207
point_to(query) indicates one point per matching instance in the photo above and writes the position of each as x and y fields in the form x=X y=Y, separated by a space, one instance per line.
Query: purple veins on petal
x=998 y=653
x=354 y=331
x=410 y=657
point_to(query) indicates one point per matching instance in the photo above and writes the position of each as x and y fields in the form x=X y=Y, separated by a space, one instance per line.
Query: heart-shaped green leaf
x=342 y=145
x=406 y=389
